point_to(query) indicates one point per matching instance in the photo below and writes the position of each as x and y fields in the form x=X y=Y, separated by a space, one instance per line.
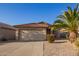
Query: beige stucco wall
x=17 y=34
x=6 y=33
x=33 y=34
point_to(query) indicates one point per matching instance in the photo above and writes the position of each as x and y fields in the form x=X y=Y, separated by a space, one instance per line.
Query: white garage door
x=33 y=35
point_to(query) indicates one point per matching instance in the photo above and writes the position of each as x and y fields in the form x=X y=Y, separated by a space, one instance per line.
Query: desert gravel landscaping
x=38 y=48
x=60 y=48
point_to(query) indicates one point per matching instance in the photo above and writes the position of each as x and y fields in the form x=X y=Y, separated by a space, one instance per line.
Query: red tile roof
x=33 y=25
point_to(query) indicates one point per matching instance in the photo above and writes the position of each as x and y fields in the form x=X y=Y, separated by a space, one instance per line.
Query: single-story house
x=32 y=31
x=7 y=32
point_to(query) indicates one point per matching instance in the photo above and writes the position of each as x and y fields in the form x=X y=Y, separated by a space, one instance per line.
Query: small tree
x=69 y=21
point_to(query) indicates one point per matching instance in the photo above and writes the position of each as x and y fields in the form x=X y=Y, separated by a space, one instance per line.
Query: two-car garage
x=32 y=34
x=33 y=31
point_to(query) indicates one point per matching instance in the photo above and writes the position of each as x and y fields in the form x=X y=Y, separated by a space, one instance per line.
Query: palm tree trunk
x=72 y=36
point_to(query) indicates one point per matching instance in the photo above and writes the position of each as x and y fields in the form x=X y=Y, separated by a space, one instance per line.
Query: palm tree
x=69 y=21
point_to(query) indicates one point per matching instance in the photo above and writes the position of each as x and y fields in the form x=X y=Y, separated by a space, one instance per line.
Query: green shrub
x=50 y=38
x=77 y=43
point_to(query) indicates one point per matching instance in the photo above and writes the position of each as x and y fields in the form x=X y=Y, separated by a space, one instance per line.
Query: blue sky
x=29 y=12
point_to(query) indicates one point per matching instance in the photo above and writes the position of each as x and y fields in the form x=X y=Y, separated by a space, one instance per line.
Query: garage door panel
x=33 y=35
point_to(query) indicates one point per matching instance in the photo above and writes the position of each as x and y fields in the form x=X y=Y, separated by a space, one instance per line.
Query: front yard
x=39 y=48
x=59 y=48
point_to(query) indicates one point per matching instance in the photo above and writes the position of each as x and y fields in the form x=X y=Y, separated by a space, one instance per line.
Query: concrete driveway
x=21 y=49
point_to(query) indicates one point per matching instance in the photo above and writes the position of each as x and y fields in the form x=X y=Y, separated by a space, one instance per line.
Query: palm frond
x=59 y=24
x=69 y=20
x=70 y=10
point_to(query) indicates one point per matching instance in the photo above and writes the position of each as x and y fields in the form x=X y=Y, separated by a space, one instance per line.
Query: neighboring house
x=63 y=33
x=32 y=31
x=7 y=32
x=60 y=33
